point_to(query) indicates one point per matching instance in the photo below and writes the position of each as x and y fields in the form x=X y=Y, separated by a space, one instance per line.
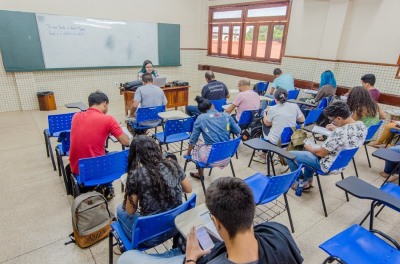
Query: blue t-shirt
x=285 y=81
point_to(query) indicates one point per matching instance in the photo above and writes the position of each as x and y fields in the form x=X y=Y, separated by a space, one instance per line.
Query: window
x=249 y=31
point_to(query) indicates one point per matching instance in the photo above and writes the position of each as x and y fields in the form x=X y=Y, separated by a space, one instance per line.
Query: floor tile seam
x=30 y=251
x=26 y=146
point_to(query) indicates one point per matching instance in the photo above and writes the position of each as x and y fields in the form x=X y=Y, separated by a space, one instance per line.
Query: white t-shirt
x=345 y=137
x=281 y=116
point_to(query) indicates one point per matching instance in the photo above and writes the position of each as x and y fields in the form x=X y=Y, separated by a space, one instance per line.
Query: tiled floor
x=36 y=217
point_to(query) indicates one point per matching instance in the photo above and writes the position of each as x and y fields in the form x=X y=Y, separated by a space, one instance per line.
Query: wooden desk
x=176 y=96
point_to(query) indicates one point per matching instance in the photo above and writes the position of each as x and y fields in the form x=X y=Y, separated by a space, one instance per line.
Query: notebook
x=160 y=81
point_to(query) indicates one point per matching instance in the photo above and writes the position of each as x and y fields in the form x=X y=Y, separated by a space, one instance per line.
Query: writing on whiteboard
x=66 y=31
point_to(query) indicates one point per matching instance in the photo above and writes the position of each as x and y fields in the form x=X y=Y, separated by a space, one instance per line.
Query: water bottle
x=299 y=189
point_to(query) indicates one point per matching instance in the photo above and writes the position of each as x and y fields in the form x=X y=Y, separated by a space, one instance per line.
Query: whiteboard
x=69 y=42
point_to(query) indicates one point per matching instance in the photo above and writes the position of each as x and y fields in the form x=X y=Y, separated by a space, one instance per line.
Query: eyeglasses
x=331 y=120
x=211 y=216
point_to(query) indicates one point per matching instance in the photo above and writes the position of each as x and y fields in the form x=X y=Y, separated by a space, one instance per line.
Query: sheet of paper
x=321 y=130
x=310 y=142
x=126 y=132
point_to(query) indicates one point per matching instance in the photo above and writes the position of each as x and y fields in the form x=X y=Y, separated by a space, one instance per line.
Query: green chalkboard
x=22 y=50
x=19 y=41
x=169 y=44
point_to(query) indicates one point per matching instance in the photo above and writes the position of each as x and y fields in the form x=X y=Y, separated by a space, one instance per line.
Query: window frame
x=398 y=69
x=245 y=21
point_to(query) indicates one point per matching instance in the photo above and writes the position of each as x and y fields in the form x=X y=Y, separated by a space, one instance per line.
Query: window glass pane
x=262 y=41
x=227 y=14
x=225 y=40
x=277 y=41
x=267 y=12
x=235 y=40
x=214 y=41
x=248 y=43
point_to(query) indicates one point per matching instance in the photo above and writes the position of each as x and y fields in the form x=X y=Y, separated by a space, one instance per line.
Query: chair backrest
x=148 y=227
x=218 y=104
x=65 y=139
x=272 y=103
x=323 y=103
x=280 y=184
x=246 y=117
x=149 y=113
x=176 y=126
x=293 y=94
x=103 y=169
x=343 y=159
x=372 y=130
x=222 y=150
x=262 y=87
x=286 y=136
x=313 y=116
x=61 y=122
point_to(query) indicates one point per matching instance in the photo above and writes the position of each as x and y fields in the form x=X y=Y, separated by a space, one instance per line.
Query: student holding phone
x=231 y=205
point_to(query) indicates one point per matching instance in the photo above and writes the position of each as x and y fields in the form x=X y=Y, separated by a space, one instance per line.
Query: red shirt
x=89 y=131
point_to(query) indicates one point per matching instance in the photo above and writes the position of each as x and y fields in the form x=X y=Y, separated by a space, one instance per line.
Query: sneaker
x=260 y=159
x=384 y=174
x=109 y=193
x=117 y=251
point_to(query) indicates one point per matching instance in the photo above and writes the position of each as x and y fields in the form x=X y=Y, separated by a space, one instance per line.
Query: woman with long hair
x=214 y=127
x=363 y=107
x=153 y=184
x=147 y=67
x=327 y=86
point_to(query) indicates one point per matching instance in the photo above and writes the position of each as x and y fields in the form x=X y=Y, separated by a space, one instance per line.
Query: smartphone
x=204 y=238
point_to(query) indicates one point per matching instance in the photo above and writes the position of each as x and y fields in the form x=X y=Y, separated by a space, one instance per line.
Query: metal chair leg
x=110 y=248
x=347 y=195
x=202 y=181
x=209 y=174
x=180 y=153
x=355 y=166
x=58 y=157
x=52 y=157
x=184 y=167
x=46 y=142
x=233 y=171
x=322 y=195
x=251 y=158
x=288 y=211
x=380 y=210
x=366 y=151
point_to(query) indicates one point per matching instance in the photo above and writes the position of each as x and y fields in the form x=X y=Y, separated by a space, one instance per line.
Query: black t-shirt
x=214 y=90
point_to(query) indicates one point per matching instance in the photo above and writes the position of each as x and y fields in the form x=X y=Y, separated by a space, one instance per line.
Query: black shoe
x=109 y=193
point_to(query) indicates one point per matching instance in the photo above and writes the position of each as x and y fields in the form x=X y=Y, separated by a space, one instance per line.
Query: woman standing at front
x=147 y=67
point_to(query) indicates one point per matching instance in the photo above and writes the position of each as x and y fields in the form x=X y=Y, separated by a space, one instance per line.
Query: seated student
x=153 y=184
x=214 y=127
x=386 y=134
x=327 y=86
x=363 y=107
x=232 y=209
x=368 y=82
x=389 y=167
x=347 y=134
x=283 y=80
x=278 y=117
x=213 y=90
x=247 y=99
x=147 y=68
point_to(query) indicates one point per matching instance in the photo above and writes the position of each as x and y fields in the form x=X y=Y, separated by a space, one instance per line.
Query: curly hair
x=361 y=102
x=145 y=153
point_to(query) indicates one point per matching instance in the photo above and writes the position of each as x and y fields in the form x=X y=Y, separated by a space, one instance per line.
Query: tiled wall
x=19 y=89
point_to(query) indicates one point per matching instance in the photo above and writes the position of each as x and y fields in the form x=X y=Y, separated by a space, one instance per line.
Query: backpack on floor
x=91 y=219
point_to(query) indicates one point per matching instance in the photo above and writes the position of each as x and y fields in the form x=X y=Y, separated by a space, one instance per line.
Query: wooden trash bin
x=47 y=102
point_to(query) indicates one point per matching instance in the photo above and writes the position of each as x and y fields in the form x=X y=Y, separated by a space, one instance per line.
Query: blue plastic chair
x=272 y=103
x=313 y=116
x=341 y=162
x=262 y=87
x=61 y=151
x=100 y=170
x=358 y=245
x=218 y=104
x=148 y=227
x=57 y=124
x=147 y=118
x=395 y=133
x=268 y=188
x=246 y=118
x=219 y=151
x=293 y=94
x=175 y=130
x=371 y=133
x=323 y=103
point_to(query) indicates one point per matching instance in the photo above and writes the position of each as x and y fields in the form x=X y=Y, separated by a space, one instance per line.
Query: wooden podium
x=176 y=96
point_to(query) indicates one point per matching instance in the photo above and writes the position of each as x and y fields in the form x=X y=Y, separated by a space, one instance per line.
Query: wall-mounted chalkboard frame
x=21 y=48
